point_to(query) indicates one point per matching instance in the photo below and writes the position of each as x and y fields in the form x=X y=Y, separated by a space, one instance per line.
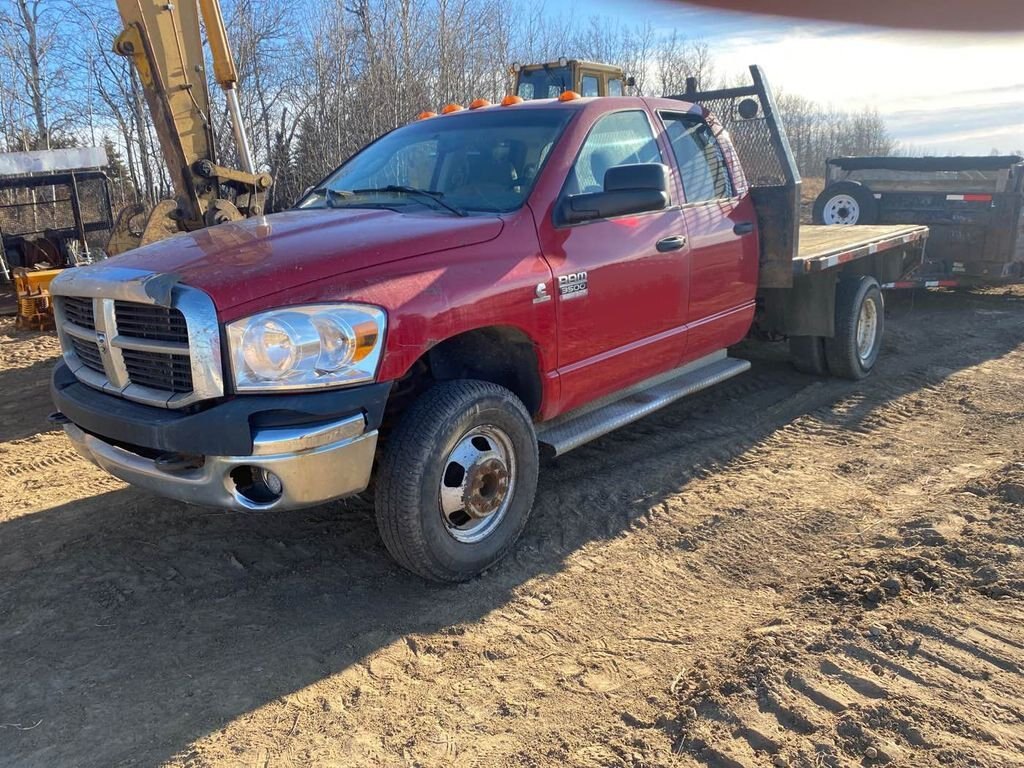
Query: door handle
x=743 y=228
x=673 y=243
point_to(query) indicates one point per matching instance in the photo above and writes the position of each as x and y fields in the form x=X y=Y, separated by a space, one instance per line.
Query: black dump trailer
x=974 y=207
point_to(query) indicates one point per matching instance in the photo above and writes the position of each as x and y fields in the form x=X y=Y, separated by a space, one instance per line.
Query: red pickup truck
x=466 y=291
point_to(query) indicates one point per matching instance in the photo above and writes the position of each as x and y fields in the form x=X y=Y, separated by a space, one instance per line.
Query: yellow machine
x=164 y=42
x=587 y=78
x=35 y=308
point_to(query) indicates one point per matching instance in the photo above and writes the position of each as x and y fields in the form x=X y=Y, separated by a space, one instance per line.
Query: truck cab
x=587 y=78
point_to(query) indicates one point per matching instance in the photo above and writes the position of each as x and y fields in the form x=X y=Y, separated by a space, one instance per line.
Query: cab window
x=620 y=138
x=702 y=167
x=590 y=85
x=615 y=87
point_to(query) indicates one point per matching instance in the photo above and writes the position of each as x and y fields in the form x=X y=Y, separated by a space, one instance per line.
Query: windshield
x=546 y=83
x=478 y=161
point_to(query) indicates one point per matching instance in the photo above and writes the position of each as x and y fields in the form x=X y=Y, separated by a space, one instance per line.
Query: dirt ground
x=780 y=571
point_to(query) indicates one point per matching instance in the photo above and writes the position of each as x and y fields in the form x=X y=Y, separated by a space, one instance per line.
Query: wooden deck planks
x=822 y=247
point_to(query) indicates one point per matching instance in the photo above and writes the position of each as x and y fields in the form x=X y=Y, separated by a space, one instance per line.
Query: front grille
x=79 y=311
x=159 y=370
x=164 y=356
x=87 y=352
x=165 y=367
x=145 y=321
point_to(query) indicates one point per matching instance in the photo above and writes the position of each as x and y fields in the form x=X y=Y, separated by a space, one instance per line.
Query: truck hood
x=243 y=261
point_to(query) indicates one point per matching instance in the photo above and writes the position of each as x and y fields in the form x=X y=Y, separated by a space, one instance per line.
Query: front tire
x=457 y=481
x=860 y=322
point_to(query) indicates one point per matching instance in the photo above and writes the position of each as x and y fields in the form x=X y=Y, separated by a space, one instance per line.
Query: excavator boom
x=164 y=41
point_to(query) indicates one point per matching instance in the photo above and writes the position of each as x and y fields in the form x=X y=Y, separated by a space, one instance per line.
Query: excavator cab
x=587 y=78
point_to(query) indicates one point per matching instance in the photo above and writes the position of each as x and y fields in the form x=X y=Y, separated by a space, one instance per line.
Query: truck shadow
x=133 y=626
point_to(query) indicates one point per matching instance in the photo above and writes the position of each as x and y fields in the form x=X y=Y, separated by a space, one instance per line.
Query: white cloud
x=942 y=93
x=939 y=92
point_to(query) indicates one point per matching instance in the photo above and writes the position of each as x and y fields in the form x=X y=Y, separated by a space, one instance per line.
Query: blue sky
x=940 y=93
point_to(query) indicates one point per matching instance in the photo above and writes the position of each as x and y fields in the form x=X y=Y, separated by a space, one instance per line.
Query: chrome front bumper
x=315 y=464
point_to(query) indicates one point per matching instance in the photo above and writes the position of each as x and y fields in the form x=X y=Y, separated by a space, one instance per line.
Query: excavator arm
x=164 y=41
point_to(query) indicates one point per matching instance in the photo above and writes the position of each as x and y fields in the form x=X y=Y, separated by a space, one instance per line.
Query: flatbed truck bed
x=823 y=247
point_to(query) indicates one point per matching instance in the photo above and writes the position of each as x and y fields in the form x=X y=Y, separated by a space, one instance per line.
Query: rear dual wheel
x=859 y=324
x=807 y=354
x=860 y=321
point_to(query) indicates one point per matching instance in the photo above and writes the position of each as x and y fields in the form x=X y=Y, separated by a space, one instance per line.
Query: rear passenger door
x=722 y=230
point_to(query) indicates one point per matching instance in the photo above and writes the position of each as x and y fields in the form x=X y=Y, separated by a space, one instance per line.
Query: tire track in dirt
x=18 y=466
x=897 y=685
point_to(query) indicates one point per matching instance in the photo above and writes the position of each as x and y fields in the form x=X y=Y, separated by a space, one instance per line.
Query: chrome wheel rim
x=477 y=484
x=841 y=209
x=867 y=330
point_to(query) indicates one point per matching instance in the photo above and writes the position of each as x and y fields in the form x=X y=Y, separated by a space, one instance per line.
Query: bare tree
x=320 y=81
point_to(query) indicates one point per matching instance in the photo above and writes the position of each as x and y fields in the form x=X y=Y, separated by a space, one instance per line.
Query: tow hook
x=58 y=418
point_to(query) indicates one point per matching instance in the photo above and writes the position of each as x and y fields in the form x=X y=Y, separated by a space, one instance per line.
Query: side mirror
x=628 y=189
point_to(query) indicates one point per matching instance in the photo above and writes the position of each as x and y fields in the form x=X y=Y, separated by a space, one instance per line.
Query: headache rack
x=750 y=116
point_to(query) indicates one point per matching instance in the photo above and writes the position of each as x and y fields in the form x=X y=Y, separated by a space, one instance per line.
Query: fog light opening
x=257 y=485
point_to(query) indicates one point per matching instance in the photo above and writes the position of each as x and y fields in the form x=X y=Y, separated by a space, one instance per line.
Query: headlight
x=322 y=345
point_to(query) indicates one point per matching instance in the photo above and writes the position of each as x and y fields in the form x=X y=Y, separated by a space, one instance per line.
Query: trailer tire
x=860 y=322
x=807 y=353
x=845 y=202
x=468 y=443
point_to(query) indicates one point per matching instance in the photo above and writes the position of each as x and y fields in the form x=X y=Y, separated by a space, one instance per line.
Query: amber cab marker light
x=477 y=103
x=568 y=96
x=449 y=108
x=426 y=115
x=508 y=101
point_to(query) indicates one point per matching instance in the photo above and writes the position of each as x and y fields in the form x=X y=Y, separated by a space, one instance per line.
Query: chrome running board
x=577 y=427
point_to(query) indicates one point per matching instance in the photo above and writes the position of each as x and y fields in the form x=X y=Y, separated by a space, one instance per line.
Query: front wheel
x=457 y=481
x=860 y=321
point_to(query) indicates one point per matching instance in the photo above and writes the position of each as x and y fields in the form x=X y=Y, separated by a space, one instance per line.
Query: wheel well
x=498 y=354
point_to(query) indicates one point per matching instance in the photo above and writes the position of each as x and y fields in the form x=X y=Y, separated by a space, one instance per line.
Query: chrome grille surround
x=106 y=285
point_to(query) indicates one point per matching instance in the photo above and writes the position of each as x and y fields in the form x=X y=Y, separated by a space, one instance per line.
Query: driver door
x=621 y=284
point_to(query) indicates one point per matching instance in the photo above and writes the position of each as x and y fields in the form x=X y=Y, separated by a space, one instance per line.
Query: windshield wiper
x=427 y=194
x=331 y=195
x=344 y=198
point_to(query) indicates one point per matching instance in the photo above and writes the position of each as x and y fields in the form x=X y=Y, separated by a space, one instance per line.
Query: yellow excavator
x=587 y=78
x=164 y=41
